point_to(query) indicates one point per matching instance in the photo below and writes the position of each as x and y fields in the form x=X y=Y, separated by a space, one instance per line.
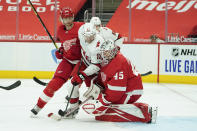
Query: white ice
x=177 y=110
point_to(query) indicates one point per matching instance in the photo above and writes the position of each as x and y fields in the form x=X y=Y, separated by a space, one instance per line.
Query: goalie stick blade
x=14 y=85
x=39 y=81
x=147 y=73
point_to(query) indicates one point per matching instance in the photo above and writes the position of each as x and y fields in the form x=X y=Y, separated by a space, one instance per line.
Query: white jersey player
x=90 y=43
x=105 y=32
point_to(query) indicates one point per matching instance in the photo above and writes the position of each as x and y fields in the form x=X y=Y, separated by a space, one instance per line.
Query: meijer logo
x=149 y=5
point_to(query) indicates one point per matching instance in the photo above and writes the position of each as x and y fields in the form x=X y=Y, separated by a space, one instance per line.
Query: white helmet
x=88 y=30
x=95 y=21
x=108 y=50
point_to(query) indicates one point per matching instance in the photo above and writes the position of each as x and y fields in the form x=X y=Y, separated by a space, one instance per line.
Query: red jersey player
x=69 y=52
x=122 y=88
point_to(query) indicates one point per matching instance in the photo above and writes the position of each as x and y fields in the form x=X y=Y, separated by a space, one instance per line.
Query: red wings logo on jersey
x=68 y=43
x=103 y=76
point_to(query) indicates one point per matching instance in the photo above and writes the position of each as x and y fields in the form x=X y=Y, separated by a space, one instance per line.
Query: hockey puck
x=55 y=117
x=61 y=113
x=50 y=114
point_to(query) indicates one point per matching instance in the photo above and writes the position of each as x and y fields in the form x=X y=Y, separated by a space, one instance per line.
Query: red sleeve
x=116 y=87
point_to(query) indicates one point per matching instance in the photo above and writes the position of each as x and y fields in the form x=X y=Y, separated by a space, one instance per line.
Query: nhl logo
x=175 y=52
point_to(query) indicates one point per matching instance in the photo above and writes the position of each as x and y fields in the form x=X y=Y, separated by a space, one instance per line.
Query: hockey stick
x=14 y=85
x=36 y=13
x=58 y=118
x=147 y=73
x=44 y=83
x=39 y=81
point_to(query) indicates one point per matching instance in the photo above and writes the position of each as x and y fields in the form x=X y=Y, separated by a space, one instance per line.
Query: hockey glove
x=78 y=78
x=59 y=53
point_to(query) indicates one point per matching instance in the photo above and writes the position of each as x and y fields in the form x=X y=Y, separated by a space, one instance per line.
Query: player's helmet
x=108 y=50
x=88 y=30
x=66 y=12
x=95 y=21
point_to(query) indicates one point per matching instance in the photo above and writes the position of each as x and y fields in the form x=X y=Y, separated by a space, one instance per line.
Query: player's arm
x=82 y=75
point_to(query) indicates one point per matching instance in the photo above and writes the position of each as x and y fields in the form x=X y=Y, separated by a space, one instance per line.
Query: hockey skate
x=35 y=111
x=72 y=115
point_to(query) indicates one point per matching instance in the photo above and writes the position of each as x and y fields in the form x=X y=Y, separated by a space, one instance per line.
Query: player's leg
x=75 y=94
x=61 y=75
x=74 y=98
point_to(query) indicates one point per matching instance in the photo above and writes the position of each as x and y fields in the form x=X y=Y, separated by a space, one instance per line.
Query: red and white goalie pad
x=136 y=112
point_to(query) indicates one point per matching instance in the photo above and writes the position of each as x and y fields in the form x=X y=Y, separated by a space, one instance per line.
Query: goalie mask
x=108 y=51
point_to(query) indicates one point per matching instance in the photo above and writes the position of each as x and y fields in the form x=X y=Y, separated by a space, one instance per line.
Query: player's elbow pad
x=91 y=69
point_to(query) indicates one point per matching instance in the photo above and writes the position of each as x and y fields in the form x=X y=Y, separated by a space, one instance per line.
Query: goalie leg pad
x=137 y=112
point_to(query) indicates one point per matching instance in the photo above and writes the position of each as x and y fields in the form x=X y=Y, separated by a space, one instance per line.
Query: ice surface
x=177 y=110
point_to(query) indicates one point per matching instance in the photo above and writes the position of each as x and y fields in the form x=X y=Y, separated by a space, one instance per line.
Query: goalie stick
x=147 y=73
x=58 y=117
x=10 y=87
x=45 y=84
x=39 y=81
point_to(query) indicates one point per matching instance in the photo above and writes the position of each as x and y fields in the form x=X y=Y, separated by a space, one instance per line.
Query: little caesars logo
x=149 y=5
x=183 y=52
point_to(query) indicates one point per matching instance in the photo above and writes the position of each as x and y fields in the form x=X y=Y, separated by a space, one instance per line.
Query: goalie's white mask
x=108 y=51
